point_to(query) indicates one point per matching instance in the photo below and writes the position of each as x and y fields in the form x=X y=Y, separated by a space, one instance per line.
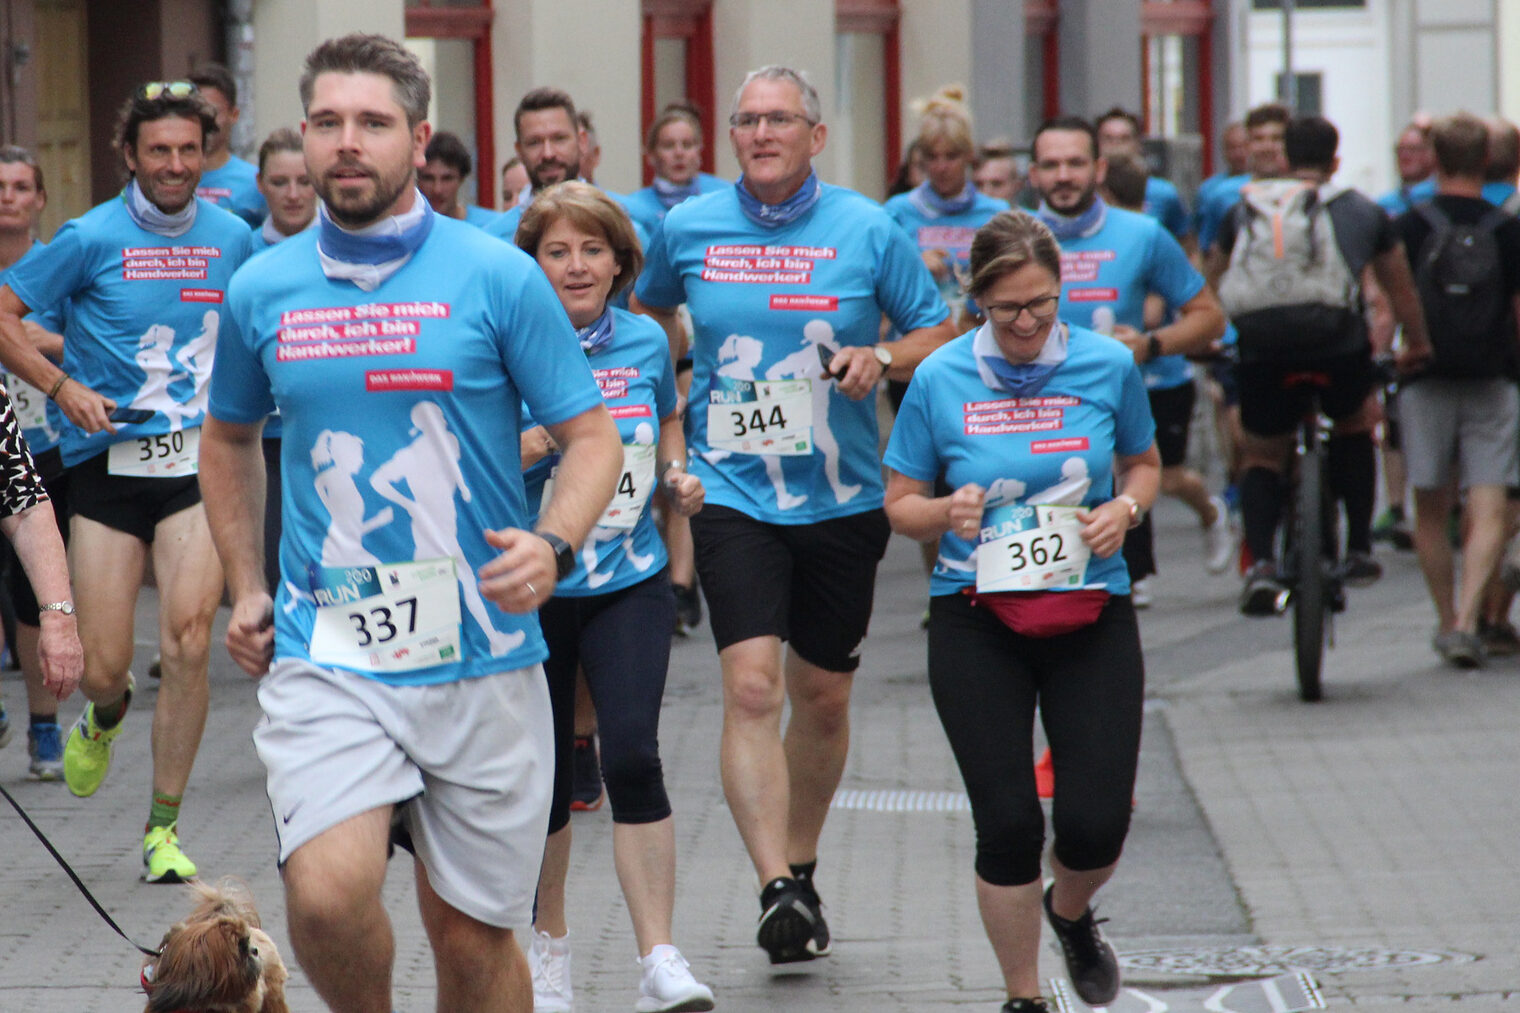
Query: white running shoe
x=549 y=960
x=667 y=985
x=1219 y=543
x=1140 y=593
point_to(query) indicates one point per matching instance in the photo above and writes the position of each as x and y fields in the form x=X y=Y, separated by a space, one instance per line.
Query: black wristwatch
x=1153 y=346
x=564 y=555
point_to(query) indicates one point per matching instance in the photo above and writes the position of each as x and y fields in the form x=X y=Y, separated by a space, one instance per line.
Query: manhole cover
x=1261 y=961
x=901 y=801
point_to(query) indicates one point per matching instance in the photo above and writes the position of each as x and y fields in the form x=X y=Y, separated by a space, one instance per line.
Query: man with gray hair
x=787 y=279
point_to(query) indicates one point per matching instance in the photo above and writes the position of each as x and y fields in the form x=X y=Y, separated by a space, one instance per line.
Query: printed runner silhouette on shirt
x=429 y=466
x=1069 y=491
x=806 y=364
x=737 y=357
x=158 y=372
x=643 y=435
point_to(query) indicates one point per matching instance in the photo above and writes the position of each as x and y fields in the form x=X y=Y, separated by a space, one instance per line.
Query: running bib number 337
x=760 y=416
x=392 y=618
x=1031 y=548
x=166 y=455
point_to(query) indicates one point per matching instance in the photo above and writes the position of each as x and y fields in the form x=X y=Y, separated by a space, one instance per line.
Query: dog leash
x=72 y=875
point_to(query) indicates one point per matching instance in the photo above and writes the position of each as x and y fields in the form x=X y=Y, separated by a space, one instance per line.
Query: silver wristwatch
x=66 y=607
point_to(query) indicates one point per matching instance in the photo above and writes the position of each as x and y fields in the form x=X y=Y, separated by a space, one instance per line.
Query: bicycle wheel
x=1311 y=598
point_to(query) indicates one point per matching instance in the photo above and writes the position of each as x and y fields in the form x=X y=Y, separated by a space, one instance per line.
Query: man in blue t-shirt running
x=787 y=280
x=399 y=659
x=144 y=276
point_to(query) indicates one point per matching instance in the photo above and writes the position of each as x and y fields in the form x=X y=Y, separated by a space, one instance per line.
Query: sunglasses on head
x=173 y=89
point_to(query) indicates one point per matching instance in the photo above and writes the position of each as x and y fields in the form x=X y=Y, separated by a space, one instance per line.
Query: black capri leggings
x=622 y=640
x=1090 y=687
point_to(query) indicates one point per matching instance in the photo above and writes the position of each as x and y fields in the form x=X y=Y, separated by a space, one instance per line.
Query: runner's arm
x=913 y=509
x=232 y=488
x=85 y=408
x=34 y=534
x=669 y=319
x=1393 y=274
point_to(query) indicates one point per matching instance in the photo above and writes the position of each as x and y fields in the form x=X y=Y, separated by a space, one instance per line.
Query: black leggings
x=1090 y=687
x=622 y=640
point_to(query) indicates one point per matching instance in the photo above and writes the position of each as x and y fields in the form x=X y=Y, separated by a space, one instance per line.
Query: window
x=677 y=52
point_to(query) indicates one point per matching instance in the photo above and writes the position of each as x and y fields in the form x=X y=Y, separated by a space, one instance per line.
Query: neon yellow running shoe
x=163 y=861
x=87 y=753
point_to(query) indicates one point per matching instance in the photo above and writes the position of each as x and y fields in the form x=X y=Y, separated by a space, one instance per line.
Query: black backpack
x=1460 y=277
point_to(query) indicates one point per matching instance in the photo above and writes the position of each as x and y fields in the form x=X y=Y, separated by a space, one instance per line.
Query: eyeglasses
x=173 y=89
x=776 y=120
x=1041 y=309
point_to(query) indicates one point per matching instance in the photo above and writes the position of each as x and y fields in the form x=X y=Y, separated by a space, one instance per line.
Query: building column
x=1100 y=56
x=998 y=70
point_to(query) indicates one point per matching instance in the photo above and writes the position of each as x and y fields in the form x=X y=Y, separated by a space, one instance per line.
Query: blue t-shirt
x=235 y=187
x=143 y=312
x=504 y=225
x=1020 y=449
x=1213 y=206
x=414 y=389
x=763 y=302
x=41 y=421
x=951 y=233
x=638 y=383
x=1396 y=202
x=1164 y=203
x=645 y=208
x=1106 y=276
x=480 y=217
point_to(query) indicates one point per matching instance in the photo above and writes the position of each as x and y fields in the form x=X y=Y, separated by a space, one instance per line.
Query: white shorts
x=473 y=761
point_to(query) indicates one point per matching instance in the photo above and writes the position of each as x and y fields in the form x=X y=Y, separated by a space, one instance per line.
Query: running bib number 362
x=166 y=455
x=760 y=416
x=386 y=618
x=1031 y=548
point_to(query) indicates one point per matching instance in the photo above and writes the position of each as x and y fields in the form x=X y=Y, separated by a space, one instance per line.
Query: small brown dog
x=218 y=960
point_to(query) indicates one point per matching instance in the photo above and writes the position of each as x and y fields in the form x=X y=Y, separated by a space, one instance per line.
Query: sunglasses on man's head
x=173 y=89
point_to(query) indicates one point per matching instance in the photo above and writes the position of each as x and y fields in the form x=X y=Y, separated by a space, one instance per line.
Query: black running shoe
x=1090 y=961
x=788 y=923
x=821 y=944
x=688 y=607
x=1035 y=1005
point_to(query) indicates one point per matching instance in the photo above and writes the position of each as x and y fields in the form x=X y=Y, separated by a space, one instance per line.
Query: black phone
x=827 y=358
x=131 y=416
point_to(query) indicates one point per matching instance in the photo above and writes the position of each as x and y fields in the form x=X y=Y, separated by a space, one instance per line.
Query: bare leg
x=1185 y=484
x=38 y=699
x=550 y=917
x=1432 y=508
x=106 y=568
x=1074 y=891
x=585 y=710
x=817 y=742
x=337 y=922
x=480 y=967
x=190 y=588
x=753 y=762
x=1480 y=551
x=1011 y=916
x=645 y=854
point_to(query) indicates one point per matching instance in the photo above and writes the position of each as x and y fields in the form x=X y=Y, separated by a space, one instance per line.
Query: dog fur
x=218 y=960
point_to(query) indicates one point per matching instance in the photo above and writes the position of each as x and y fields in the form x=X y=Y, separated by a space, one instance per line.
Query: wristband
x=63 y=378
x=1153 y=346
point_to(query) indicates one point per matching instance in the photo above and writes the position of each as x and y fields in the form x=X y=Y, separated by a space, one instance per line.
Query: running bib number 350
x=27 y=402
x=760 y=416
x=1031 y=548
x=386 y=618
x=166 y=455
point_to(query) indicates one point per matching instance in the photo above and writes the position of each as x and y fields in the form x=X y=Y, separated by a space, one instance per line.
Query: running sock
x=1261 y=504
x=1351 y=467
x=109 y=715
x=165 y=811
x=43 y=719
x=804 y=870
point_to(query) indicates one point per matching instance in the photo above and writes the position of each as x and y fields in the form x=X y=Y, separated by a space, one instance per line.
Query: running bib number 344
x=760 y=416
x=1031 y=548
x=392 y=618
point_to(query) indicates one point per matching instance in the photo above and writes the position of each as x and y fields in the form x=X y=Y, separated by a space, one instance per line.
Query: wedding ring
x=531 y=589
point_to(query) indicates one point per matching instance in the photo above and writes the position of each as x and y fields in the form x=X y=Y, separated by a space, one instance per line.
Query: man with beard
x=144 y=276
x=404 y=698
x=1111 y=259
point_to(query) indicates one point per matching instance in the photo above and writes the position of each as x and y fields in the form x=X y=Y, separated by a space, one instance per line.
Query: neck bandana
x=930 y=204
x=670 y=194
x=773 y=216
x=596 y=335
x=1021 y=379
x=148 y=215
x=1080 y=227
x=372 y=254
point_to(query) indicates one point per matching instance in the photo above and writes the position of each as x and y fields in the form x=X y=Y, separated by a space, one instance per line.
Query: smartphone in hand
x=131 y=416
x=826 y=357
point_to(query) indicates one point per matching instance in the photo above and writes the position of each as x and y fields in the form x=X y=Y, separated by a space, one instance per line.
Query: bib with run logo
x=166 y=455
x=1027 y=547
x=760 y=416
x=633 y=488
x=391 y=618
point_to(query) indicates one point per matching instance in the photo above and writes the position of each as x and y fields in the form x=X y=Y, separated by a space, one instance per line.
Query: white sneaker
x=1140 y=593
x=549 y=960
x=667 y=985
x=1219 y=545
